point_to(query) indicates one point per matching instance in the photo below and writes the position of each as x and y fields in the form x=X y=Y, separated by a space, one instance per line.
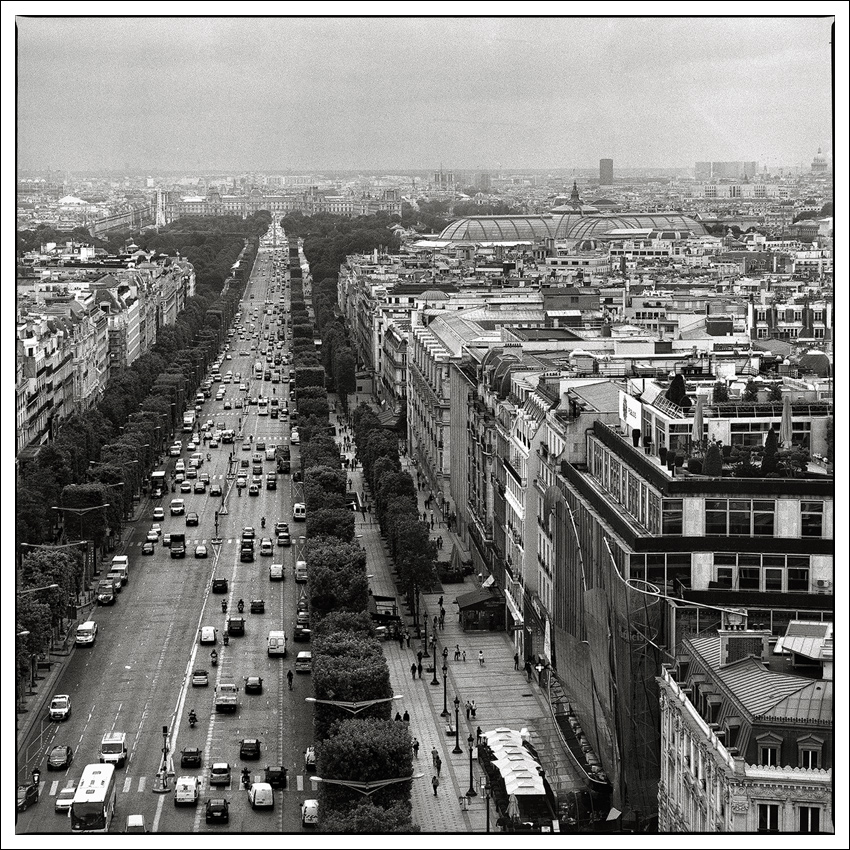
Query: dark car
x=215 y=489
x=60 y=757
x=236 y=626
x=253 y=684
x=27 y=796
x=191 y=518
x=219 y=585
x=249 y=748
x=191 y=757
x=301 y=633
x=200 y=487
x=253 y=490
x=276 y=775
x=217 y=811
x=258 y=606
x=147 y=549
x=248 y=533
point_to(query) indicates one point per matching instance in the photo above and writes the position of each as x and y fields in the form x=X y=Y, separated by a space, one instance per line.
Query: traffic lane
x=130 y=679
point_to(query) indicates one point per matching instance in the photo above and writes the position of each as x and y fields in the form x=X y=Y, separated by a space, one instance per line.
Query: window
x=773 y=580
x=739 y=517
x=809 y=819
x=671 y=517
x=798 y=575
x=809 y=758
x=811 y=519
x=768 y=817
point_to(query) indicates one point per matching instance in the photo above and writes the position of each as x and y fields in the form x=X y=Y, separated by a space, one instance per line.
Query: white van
x=86 y=633
x=276 y=572
x=304 y=662
x=178 y=507
x=300 y=571
x=180 y=466
x=186 y=791
x=299 y=512
x=121 y=564
x=113 y=748
x=261 y=796
x=277 y=643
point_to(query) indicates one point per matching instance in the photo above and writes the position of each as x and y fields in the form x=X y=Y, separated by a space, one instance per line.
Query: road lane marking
x=127 y=783
x=142 y=782
x=299 y=783
x=159 y=804
x=53 y=787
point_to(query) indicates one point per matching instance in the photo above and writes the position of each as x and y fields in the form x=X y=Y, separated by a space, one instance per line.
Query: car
x=249 y=532
x=280 y=526
x=60 y=707
x=253 y=400
x=192 y=472
x=261 y=796
x=200 y=551
x=284 y=539
x=213 y=443
x=147 y=549
x=258 y=606
x=246 y=447
x=253 y=684
x=191 y=757
x=158 y=513
x=208 y=634
x=243 y=387
x=185 y=486
x=217 y=810
x=236 y=626
x=244 y=463
x=219 y=585
x=238 y=404
x=215 y=489
x=64 y=798
x=260 y=446
x=241 y=482
x=27 y=796
x=266 y=547
x=294 y=437
x=174 y=451
x=200 y=678
x=60 y=757
x=301 y=633
x=191 y=445
x=310 y=813
x=253 y=490
x=310 y=758
x=179 y=477
x=220 y=773
x=166 y=539
x=152 y=536
x=186 y=790
x=192 y=518
x=228 y=357
x=200 y=487
x=249 y=748
x=228 y=405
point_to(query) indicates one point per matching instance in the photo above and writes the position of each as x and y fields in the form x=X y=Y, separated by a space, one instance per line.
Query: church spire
x=574 y=194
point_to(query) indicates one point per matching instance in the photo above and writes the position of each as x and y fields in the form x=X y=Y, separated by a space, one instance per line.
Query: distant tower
x=820 y=165
x=606 y=172
x=160 y=209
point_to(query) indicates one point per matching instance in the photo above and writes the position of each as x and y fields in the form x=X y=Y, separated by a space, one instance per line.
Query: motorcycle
x=240 y=606
x=209 y=456
x=246 y=778
x=192 y=719
x=263 y=522
x=226 y=639
x=223 y=606
x=214 y=658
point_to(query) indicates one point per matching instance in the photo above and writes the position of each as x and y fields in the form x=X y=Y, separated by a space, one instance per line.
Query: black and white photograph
x=425 y=423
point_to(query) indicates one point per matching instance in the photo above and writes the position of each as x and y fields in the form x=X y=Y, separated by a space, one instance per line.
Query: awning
x=478 y=599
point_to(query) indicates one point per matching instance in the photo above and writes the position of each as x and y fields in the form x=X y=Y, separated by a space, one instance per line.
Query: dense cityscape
x=561 y=440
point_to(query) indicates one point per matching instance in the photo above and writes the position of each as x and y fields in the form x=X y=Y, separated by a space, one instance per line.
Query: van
x=113 y=748
x=304 y=662
x=86 y=633
x=277 y=643
x=186 y=791
x=180 y=466
x=276 y=572
x=299 y=512
x=261 y=796
x=135 y=825
x=178 y=507
x=301 y=571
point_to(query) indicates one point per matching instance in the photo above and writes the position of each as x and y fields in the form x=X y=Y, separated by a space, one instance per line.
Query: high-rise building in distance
x=606 y=172
x=707 y=171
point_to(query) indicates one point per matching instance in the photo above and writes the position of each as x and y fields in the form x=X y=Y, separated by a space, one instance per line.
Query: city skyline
x=490 y=93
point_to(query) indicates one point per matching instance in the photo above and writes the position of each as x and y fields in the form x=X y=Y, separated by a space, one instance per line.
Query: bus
x=159 y=484
x=94 y=800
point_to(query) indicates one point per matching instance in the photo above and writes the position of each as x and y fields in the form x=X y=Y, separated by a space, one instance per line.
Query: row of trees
x=348 y=662
x=89 y=474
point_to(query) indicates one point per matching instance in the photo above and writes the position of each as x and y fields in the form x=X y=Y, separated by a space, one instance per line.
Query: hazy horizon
x=495 y=94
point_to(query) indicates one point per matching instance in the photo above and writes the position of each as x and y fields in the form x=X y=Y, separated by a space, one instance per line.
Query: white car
x=64 y=798
x=310 y=812
x=60 y=707
x=207 y=634
x=158 y=513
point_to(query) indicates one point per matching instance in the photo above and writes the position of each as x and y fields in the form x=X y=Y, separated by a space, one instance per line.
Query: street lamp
x=35 y=590
x=485 y=787
x=457 y=750
x=425 y=618
x=445 y=712
x=471 y=744
x=434 y=680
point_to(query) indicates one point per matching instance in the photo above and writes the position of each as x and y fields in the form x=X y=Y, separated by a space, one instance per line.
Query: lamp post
x=425 y=618
x=445 y=712
x=434 y=680
x=471 y=792
x=457 y=750
x=485 y=787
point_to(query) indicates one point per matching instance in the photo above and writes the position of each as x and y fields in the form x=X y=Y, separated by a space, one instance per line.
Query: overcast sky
x=379 y=94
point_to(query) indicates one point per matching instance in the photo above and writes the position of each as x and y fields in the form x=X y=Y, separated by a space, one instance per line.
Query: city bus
x=94 y=801
x=159 y=484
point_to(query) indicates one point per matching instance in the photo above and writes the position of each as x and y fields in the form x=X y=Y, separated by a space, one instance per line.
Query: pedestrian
x=445 y=653
x=480 y=657
x=398 y=716
x=516 y=661
x=424 y=516
x=419 y=656
x=432 y=520
x=468 y=708
x=435 y=784
x=439 y=766
x=478 y=734
x=400 y=639
x=440 y=602
x=406 y=716
x=415 y=748
x=457 y=652
x=419 y=669
x=528 y=670
x=413 y=670
x=407 y=638
x=435 y=622
x=434 y=756
x=289 y=679
x=464 y=655
x=442 y=617
x=472 y=709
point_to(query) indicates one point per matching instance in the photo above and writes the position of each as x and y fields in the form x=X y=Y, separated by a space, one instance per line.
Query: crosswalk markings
x=141 y=783
x=127 y=782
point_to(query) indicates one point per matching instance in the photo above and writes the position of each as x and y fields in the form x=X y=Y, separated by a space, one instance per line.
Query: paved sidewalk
x=503 y=696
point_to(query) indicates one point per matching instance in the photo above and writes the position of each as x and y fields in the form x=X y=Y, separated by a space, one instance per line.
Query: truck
x=226 y=698
x=158 y=483
x=178 y=545
x=188 y=422
x=121 y=563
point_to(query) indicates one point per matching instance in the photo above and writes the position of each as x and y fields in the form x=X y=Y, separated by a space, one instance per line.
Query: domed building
x=820 y=164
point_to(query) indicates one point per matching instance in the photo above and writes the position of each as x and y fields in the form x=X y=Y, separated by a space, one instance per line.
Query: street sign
x=517 y=628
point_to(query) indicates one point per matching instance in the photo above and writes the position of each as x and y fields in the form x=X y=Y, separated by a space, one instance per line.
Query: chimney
x=744 y=643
